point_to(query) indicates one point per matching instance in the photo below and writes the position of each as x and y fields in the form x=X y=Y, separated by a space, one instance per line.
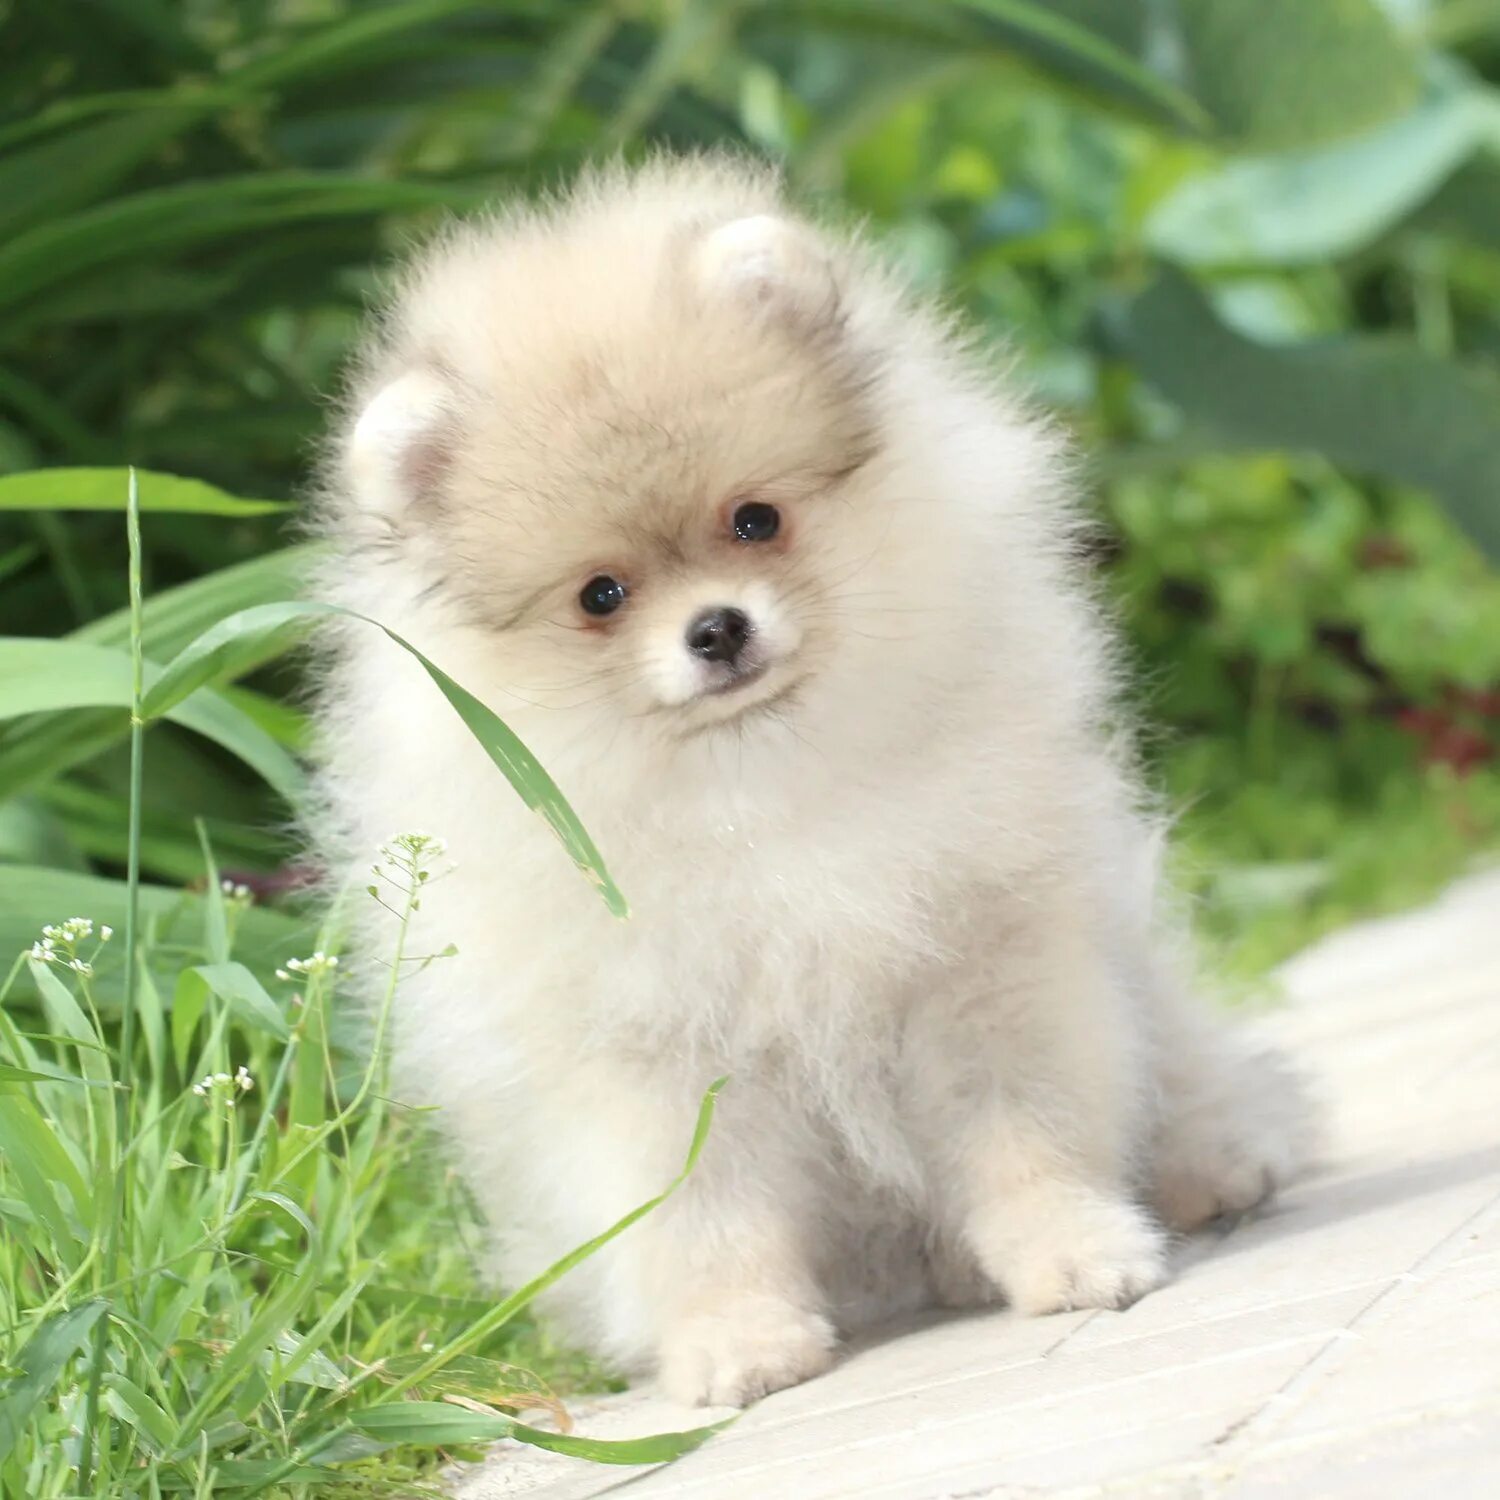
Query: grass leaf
x=10 y=1074
x=220 y=647
x=1377 y=405
x=241 y=991
x=42 y=1361
x=437 y=1423
x=42 y=676
x=105 y=489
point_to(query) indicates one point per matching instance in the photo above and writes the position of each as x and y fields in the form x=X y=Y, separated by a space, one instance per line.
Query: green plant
x=188 y=1278
x=1226 y=239
x=1248 y=249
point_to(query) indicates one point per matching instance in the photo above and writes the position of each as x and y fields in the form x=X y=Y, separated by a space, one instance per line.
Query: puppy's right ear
x=398 y=448
x=771 y=265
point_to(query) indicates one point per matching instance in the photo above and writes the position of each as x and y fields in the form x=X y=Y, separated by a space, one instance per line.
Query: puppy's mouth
x=738 y=681
x=749 y=690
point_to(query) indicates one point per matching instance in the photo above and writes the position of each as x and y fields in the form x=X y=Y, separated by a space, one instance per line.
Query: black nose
x=719 y=634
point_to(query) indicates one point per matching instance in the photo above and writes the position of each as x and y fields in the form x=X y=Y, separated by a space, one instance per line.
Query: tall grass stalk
x=124 y=1073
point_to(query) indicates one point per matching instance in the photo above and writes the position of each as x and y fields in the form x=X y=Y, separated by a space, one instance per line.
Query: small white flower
x=105 y=934
x=427 y=1348
x=318 y=963
x=79 y=966
x=243 y=1080
x=43 y=954
x=200 y=1091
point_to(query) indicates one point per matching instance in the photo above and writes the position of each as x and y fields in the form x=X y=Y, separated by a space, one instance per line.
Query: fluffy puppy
x=782 y=584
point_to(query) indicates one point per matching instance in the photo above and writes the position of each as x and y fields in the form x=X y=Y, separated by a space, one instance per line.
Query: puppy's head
x=644 y=442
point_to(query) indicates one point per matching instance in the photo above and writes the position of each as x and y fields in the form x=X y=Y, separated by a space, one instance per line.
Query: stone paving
x=1345 y=1343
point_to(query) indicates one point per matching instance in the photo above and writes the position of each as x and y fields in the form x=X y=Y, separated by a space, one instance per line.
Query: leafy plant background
x=1249 y=250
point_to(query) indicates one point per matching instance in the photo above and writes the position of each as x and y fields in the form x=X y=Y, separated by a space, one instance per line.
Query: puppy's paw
x=1223 y=1153
x=1192 y=1191
x=1066 y=1249
x=742 y=1349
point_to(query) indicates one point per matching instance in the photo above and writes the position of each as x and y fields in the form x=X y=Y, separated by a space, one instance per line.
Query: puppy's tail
x=1235 y=1118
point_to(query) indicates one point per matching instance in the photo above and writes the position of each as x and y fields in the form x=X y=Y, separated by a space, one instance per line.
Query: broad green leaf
x=1320 y=204
x=1468 y=204
x=351 y=41
x=1374 y=405
x=105 y=489
x=54 y=174
x=1283 y=73
x=189 y=1001
x=42 y=1360
x=1090 y=53
x=240 y=990
x=40 y=750
x=295 y=1359
x=42 y=676
x=40 y=1165
x=290 y=1209
x=166 y=221
x=66 y=1017
x=435 y=1423
x=12 y=1075
x=220 y=647
x=230 y=648
x=134 y=1407
x=175 y=616
x=1077 y=45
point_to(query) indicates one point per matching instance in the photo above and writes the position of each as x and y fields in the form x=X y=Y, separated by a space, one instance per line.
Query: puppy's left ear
x=772 y=265
x=396 y=451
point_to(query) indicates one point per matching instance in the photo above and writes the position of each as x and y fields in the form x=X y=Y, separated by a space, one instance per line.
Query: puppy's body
x=886 y=867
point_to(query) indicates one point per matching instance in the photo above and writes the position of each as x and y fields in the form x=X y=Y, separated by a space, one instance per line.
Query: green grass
x=230 y=1261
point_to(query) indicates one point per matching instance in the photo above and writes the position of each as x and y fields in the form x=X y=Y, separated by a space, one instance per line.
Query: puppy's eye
x=602 y=595
x=755 y=521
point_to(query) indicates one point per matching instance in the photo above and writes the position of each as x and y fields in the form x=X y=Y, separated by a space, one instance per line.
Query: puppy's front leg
x=728 y=1263
x=1036 y=1135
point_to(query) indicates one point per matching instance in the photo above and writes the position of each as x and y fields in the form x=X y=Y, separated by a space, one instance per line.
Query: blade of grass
x=436 y=1423
x=123 y=1102
x=42 y=1361
x=220 y=649
x=99 y=489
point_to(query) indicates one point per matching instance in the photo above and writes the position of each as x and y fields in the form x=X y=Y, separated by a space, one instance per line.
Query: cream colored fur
x=900 y=888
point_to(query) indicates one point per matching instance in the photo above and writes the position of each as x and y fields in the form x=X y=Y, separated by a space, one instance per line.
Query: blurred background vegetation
x=1249 y=249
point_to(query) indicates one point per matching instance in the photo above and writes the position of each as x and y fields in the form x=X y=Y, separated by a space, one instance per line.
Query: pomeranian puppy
x=765 y=563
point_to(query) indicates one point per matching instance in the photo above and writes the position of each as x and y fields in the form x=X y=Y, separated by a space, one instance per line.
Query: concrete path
x=1345 y=1343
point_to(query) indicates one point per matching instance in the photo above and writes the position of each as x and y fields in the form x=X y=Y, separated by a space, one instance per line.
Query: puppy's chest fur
x=794 y=960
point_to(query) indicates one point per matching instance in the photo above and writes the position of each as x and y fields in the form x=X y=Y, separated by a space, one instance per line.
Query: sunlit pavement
x=1345 y=1343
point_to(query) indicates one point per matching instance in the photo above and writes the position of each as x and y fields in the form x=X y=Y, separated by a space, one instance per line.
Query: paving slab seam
x=1260 y=1425
x=1212 y=1477
x=937 y=1425
x=774 y=1423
